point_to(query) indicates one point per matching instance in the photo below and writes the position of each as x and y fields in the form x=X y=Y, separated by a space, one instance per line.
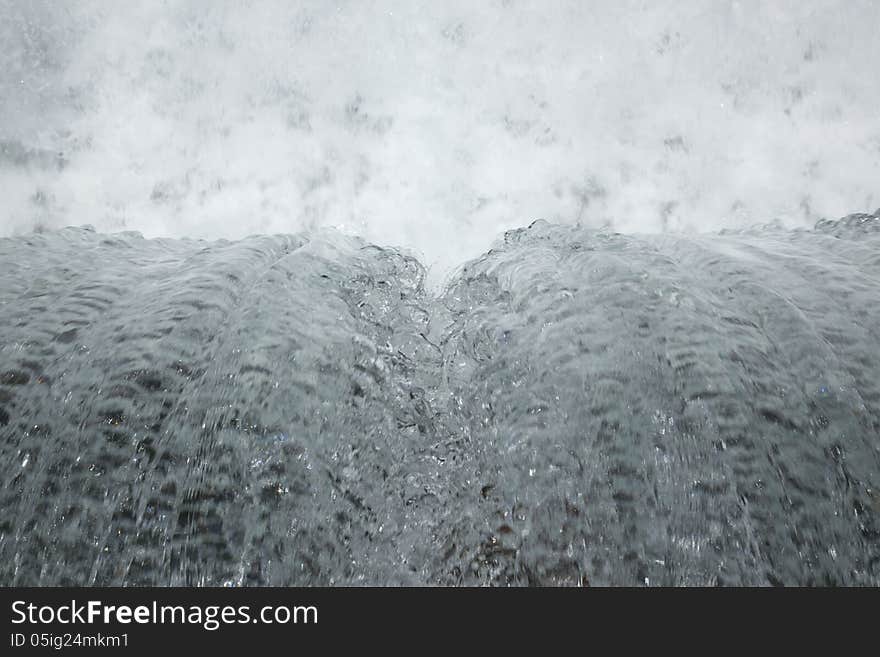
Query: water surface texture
x=574 y=407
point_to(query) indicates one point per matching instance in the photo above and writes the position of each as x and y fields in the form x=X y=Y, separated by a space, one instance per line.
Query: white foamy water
x=435 y=126
x=638 y=399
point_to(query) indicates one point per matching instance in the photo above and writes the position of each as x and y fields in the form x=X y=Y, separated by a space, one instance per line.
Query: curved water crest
x=575 y=407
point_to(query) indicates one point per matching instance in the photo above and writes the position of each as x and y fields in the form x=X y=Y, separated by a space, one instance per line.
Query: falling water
x=576 y=406
x=673 y=378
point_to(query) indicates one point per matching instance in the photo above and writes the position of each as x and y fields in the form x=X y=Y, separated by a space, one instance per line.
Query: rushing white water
x=436 y=125
x=622 y=394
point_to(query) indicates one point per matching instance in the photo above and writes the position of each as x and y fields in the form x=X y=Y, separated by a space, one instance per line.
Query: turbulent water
x=576 y=407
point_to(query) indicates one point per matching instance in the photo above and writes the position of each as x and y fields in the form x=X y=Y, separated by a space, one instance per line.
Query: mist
x=435 y=126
